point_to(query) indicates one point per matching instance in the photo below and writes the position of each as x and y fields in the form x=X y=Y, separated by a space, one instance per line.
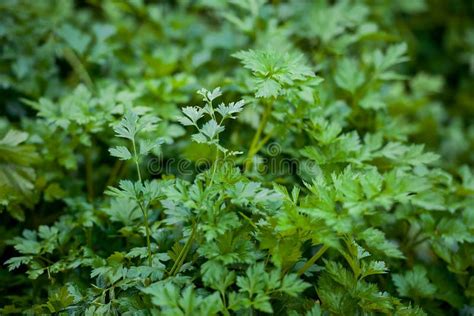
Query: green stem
x=214 y=167
x=225 y=311
x=420 y=241
x=88 y=232
x=354 y=264
x=248 y=220
x=89 y=175
x=144 y=209
x=147 y=231
x=137 y=164
x=312 y=260
x=262 y=142
x=256 y=138
x=78 y=67
x=113 y=173
x=45 y=259
x=184 y=252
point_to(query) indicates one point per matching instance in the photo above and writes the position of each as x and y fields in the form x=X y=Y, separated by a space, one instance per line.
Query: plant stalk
x=214 y=167
x=256 y=144
x=144 y=209
x=78 y=67
x=147 y=231
x=312 y=260
x=89 y=175
x=184 y=252
x=114 y=172
x=137 y=164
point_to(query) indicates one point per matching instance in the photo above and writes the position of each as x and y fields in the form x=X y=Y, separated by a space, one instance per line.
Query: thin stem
x=212 y=111
x=78 y=67
x=355 y=266
x=147 y=231
x=262 y=142
x=248 y=220
x=420 y=241
x=45 y=259
x=136 y=160
x=88 y=232
x=89 y=175
x=184 y=252
x=414 y=240
x=113 y=174
x=312 y=260
x=144 y=209
x=225 y=311
x=214 y=167
x=256 y=138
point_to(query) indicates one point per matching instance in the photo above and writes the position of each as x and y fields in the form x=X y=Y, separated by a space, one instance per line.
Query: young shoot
x=214 y=117
x=130 y=126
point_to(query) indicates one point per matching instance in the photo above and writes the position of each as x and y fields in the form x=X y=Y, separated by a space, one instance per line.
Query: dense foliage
x=325 y=165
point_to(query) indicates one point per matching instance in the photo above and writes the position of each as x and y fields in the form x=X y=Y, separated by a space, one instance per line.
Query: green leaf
x=414 y=283
x=216 y=276
x=193 y=114
x=172 y=301
x=127 y=128
x=75 y=38
x=209 y=96
x=230 y=109
x=121 y=152
x=267 y=88
x=275 y=70
x=394 y=55
x=16 y=173
x=292 y=285
x=348 y=75
x=211 y=129
x=373 y=267
x=376 y=241
x=15 y=262
x=199 y=138
x=59 y=300
x=127 y=189
x=148 y=145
